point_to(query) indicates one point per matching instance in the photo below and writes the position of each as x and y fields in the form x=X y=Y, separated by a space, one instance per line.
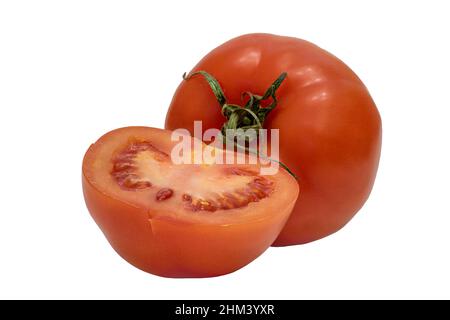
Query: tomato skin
x=170 y=249
x=160 y=244
x=330 y=128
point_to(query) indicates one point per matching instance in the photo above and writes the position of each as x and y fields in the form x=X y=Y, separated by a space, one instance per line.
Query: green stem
x=285 y=167
x=250 y=116
x=213 y=83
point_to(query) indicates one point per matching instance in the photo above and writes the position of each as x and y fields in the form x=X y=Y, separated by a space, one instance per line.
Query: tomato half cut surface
x=181 y=220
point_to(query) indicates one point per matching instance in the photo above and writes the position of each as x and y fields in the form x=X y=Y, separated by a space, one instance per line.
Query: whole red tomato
x=330 y=128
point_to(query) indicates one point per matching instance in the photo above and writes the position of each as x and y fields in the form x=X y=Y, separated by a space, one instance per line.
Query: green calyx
x=241 y=118
x=250 y=116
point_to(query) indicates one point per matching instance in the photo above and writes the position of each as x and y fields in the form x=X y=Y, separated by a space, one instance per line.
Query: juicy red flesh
x=259 y=188
x=125 y=173
x=124 y=169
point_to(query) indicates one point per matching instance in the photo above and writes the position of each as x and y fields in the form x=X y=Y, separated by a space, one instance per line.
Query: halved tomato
x=181 y=220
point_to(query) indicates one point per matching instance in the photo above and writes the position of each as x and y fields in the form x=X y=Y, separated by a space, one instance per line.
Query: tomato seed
x=186 y=197
x=141 y=185
x=163 y=194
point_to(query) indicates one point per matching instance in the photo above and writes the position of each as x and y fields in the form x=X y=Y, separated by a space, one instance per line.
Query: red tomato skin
x=330 y=128
x=168 y=248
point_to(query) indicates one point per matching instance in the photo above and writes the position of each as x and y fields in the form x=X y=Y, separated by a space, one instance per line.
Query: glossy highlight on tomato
x=330 y=128
x=181 y=220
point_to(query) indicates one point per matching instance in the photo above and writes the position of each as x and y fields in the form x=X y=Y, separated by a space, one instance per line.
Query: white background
x=72 y=70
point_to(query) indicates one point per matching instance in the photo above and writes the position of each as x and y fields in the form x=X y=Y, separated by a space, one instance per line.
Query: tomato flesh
x=181 y=220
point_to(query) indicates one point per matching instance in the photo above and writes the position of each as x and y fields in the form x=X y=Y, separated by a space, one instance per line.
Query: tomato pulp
x=330 y=128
